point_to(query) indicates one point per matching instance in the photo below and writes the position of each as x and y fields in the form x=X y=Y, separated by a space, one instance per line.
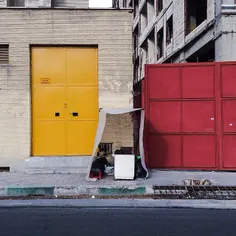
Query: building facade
x=173 y=31
x=33 y=45
x=45 y=3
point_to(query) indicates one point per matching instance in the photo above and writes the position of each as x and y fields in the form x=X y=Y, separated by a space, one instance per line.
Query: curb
x=119 y=203
x=104 y=191
x=26 y=191
x=73 y=191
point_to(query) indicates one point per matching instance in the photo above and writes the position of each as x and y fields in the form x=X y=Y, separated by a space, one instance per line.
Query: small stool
x=96 y=173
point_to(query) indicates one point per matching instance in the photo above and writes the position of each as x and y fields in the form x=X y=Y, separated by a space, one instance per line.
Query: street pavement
x=156 y=178
x=113 y=221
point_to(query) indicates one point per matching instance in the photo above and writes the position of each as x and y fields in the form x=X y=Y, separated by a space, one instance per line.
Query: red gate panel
x=199 y=151
x=198 y=116
x=229 y=151
x=191 y=116
x=228 y=81
x=164 y=116
x=229 y=116
x=169 y=151
x=169 y=83
x=198 y=81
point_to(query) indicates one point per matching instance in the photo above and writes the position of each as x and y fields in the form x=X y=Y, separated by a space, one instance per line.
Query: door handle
x=74 y=113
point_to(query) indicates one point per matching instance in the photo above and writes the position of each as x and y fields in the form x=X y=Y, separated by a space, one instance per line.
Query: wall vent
x=4 y=54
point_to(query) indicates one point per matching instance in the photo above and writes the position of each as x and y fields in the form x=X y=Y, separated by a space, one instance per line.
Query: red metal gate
x=191 y=116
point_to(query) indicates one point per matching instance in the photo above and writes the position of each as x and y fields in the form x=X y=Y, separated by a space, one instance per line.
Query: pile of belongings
x=102 y=165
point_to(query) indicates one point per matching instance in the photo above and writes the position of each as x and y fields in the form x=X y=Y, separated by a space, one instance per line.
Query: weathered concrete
x=182 y=46
x=53 y=165
x=15 y=184
x=26 y=27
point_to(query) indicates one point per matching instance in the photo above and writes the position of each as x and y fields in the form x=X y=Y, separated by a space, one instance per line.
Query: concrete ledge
x=53 y=165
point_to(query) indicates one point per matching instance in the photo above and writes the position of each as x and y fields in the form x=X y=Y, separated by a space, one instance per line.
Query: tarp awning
x=101 y=126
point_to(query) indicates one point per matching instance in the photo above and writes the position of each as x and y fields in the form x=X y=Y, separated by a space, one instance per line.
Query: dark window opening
x=4 y=169
x=169 y=30
x=144 y=17
x=196 y=13
x=160 y=45
x=173 y=59
x=136 y=37
x=4 y=54
x=53 y=3
x=151 y=47
x=136 y=72
x=124 y=4
x=105 y=147
x=205 y=54
x=159 y=6
x=137 y=88
x=136 y=6
x=15 y=3
x=115 y=4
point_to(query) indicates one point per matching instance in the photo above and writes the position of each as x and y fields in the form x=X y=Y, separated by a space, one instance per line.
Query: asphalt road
x=45 y=221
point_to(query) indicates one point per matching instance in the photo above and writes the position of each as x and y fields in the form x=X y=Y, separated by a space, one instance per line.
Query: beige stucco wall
x=109 y=29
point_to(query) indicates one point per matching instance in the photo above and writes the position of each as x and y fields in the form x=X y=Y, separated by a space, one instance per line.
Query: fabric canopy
x=101 y=126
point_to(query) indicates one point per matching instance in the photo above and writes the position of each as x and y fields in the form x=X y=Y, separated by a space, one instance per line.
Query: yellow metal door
x=64 y=101
x=48 y=98
x=82 y=100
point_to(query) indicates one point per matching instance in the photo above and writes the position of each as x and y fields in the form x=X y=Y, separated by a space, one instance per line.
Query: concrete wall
x=118 y=126
x=3 y=3
x=52 y=27
x=180 y=40
x=176 y=8
x=226 y=42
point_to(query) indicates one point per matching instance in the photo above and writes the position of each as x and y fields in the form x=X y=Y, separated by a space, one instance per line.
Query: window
x=159 y=6
x=196 y=13
x=4 y=54
x=169 y=30
x=15 y=3
x=124 y=4
x=160 y=45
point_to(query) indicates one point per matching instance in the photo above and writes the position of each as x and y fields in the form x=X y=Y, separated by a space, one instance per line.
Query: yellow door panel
x=81 y=66
x=48 y=103
x=48 y=66
x=82 y=100
x=64 y=100
x=49 y=138
x=80 y=137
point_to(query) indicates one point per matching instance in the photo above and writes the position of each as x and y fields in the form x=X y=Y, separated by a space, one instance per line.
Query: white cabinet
x=124 y=167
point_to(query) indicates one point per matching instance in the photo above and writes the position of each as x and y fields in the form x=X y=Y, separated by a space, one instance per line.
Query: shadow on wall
x=157 y=150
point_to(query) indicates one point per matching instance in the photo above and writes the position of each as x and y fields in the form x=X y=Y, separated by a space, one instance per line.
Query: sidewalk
x=17 y=184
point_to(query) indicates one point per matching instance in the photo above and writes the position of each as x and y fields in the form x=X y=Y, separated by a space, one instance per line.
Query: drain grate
x=195 y=192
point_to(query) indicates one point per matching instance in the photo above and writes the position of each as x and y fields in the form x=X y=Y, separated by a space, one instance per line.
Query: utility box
x=124 y=167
